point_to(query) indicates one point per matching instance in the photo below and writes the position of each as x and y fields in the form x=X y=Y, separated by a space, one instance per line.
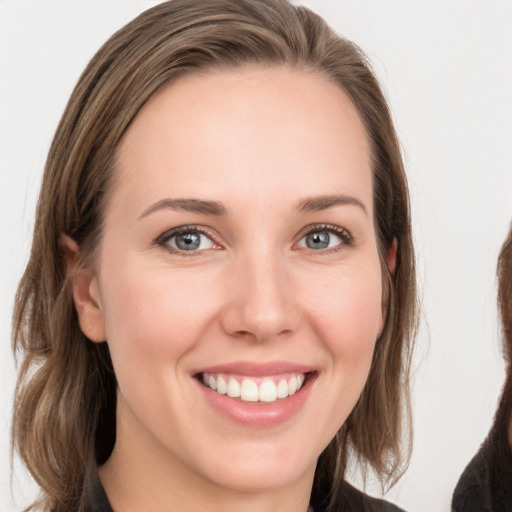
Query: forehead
x=279 y=128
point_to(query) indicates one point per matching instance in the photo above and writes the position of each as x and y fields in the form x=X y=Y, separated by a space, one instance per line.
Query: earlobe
x=392 y=255
x=85 y=291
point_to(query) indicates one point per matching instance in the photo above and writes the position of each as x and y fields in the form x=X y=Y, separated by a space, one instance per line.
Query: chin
x=265 y=478
x=265 y=470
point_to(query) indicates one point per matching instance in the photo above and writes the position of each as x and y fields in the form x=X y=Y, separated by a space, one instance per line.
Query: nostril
x=254 y=325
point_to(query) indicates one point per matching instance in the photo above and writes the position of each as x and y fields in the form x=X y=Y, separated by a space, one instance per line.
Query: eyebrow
x=187 y=205
x=310 y=204
x=319 y=203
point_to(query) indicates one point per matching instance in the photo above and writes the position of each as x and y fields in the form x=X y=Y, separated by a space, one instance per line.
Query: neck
x=151 y=490
x=142 y=475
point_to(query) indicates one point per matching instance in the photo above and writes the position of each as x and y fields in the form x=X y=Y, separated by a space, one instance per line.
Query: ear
x=392 y=253
x=391 y=263
x=85 y=291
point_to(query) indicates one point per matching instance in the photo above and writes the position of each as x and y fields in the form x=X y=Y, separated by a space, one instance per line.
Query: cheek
x=151 y=319
x=153 y=323
x=347 y=314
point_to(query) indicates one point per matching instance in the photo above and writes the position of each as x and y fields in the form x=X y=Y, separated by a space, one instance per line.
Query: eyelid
x=162 y=239
x=341 y=232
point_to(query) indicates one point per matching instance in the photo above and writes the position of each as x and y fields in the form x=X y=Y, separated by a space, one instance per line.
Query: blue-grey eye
x=321 y=239
x=190 y=241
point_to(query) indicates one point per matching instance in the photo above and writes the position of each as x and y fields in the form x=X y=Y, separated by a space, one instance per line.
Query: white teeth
x=282 y=389
x=268 y=391
x=233 y=388
x=249 y=391
x=292 y=386
x=222 y=387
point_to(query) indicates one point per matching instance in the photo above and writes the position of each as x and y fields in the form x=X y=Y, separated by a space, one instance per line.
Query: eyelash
x=345 y=236
x=347 y=240
x=164 y=238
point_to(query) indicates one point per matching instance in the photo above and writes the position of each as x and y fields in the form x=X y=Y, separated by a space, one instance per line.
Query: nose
x=262 y=301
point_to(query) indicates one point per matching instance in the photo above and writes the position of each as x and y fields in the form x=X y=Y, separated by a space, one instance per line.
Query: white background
x=446 y=67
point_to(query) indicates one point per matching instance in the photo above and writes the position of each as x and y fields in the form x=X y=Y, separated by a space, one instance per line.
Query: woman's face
x=238 y=257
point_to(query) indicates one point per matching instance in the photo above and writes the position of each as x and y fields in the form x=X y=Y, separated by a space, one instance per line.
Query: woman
x=486 y=483
x=219 y=306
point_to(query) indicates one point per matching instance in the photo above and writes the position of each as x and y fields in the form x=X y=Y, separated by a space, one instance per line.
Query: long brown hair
x=505 y=298
x=504 y=274
x=65 y=397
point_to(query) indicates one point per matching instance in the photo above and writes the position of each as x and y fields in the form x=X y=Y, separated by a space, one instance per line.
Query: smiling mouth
x=250 y=389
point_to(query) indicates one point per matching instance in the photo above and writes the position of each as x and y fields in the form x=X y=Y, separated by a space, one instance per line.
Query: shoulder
x=484 y=485
x=356 y=501
x=369 y=504
x=473 y=488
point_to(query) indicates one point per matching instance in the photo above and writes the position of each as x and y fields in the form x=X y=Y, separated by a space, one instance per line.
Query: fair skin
x=273 y=277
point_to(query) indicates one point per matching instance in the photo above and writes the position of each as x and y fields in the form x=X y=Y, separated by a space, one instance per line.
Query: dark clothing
x=95 y=500
x=486 y=483
x=356 y=501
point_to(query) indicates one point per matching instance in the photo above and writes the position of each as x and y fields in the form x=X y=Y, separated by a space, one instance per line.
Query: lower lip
x=258 y=414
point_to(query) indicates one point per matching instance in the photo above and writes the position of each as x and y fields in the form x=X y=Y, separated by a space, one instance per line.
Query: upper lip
x=256 y=369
